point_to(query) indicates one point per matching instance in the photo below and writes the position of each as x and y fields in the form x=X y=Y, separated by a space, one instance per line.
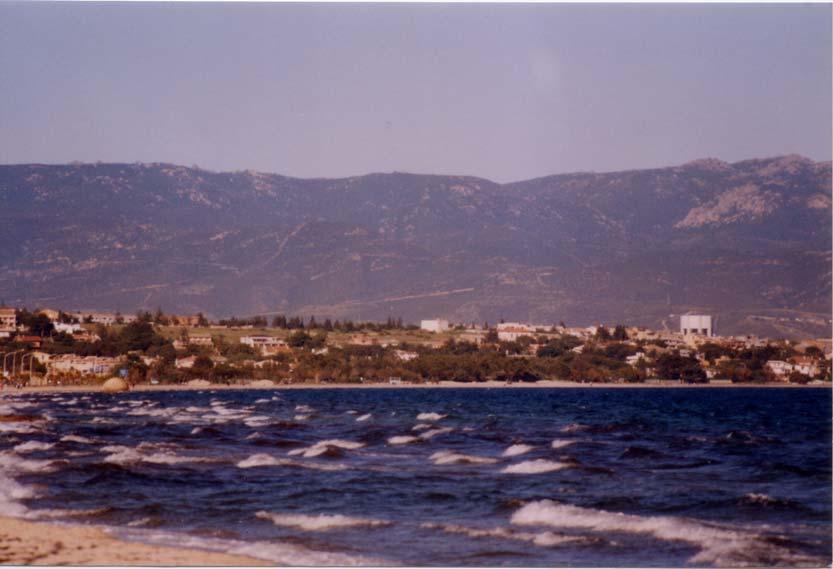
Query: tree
x=675 y=366
x=602 y=333
x=813 y=352
x=619 y=333
x=202 y=365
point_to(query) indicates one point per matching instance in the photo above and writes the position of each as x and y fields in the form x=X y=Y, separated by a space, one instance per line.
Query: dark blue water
x=529 y=477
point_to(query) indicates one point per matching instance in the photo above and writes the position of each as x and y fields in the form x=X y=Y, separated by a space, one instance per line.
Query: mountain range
x=748 y=242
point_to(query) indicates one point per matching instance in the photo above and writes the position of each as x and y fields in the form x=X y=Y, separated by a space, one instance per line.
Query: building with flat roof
x=8 y=319
x=700 y=324
x=435 y=325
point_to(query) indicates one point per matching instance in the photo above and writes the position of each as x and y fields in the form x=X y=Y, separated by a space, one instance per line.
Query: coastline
x=38 y=543
x=440 y=385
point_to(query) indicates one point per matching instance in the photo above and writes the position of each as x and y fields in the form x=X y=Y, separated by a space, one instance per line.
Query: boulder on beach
x=262 y=383
x=199 y=383
x=115 y=385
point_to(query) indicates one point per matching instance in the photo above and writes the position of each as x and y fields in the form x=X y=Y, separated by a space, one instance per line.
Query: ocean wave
x=561 y=443
x=449 y=457
x=323 y=447
x=11 y=493
x=257 y=421
x=434 y=432
x=421 y=427
x=76 y=439
x=304 y=409
x=275 y=552
x=363 y=418
x=542 y=539
x=517 y=450
x=574 y=428
x=718 y=545
x=320 y=522
x=403 y=440
x=31 y=446
x=537 y=466
x=260 y=459
x=430 y=417
x=12 y=463
x=123 y=455
x=301 y=417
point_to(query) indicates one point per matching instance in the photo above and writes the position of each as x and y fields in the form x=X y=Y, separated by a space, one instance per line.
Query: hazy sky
x=505 y=92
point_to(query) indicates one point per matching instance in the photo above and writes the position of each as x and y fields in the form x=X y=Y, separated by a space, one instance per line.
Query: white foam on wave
x=127 y=455
x=430 y=417
x=450 y=457
x=31 y=446
x=574 y=428
x=434 y=432
x=62 y=513
x=11 y=492
x=720 y=546
x=20 y=428
x=319 y=522
x=402 y=440
x=261 y=459
x=278 y=553
x=304 y=409
x=262 y=401
x=517 y=450
x=321 y=447
x=537 y=466
x=542 y=539
x=13 y=463
x=257 y=421
x=561 y=443
x=301 y=417
x=421 y=427
x=76 y=439
x=363 y=418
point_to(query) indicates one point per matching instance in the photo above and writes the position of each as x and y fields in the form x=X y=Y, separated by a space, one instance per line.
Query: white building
x=67 y=328
x=511 y=331
x=700 y=324
x=634 y=359
x=436 y=325
x=84 y=365
x=264 y=344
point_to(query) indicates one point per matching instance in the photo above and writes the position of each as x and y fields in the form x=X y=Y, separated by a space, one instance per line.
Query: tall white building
x=436 y=325
x=700 y=324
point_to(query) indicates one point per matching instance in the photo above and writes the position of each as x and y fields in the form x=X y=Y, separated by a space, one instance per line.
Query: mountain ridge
x=743 y=240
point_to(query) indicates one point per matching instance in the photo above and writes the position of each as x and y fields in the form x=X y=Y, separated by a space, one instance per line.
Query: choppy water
x=529 y=477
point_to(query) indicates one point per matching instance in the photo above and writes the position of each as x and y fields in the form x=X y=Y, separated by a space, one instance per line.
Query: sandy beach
x=30 y=543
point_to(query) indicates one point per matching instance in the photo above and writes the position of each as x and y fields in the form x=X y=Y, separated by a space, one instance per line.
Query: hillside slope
x=749 y=242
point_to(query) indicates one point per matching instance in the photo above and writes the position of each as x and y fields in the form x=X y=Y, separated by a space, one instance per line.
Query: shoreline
x=40 y=543
x=440 y=385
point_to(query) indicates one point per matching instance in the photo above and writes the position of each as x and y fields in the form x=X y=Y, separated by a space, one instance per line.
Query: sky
x=505 y=92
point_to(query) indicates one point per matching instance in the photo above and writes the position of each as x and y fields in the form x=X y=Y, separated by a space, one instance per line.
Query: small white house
x=436 y=325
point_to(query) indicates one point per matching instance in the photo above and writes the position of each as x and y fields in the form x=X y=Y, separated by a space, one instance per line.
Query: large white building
x=436 y=325
x=700 y=324
x=511 y=331
x=264 y=344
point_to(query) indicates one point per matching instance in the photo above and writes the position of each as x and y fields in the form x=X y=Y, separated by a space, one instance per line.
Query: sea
x=441 y=477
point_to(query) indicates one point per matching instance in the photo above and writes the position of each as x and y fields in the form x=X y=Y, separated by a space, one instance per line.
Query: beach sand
x=30 y=543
